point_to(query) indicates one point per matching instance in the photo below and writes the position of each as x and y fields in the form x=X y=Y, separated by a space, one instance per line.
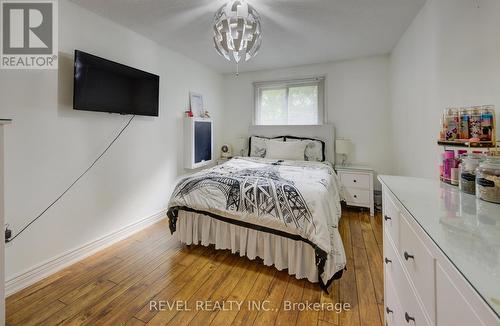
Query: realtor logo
x=29 y=34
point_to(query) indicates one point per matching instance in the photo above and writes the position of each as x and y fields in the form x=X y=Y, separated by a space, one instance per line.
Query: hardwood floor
x=116 y=285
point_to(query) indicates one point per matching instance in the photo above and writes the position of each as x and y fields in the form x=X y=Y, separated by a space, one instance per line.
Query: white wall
x=49 y=144
x=449 y=57
x=357 y=102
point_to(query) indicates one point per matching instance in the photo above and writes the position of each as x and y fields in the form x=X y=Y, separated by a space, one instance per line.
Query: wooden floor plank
x=135 y=322
x=274 y=298
x=192 y=283
x=348 y=292
x=79 y=303
x=206 y=291
x=369 y=311
x=115 y=286
x=241 y=268
x=375 y=260
x=125 y=305
x=376 y=226
x=288 y=315
x=244 y=286
x=165 y=289
x=249 y=311
x=311 y=296
x=30 y=305
x=166 y=271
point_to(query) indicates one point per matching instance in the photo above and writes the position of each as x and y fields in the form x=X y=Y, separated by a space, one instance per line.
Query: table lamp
x=242 y=145
x=343 y=148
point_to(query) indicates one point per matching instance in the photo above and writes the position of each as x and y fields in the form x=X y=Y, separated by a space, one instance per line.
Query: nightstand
x=358 y=185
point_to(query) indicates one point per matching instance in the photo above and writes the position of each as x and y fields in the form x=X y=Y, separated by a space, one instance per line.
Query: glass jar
x=468 y=166
x=488 y=180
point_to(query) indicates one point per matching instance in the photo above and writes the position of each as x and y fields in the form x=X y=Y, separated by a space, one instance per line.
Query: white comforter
x=296 y=199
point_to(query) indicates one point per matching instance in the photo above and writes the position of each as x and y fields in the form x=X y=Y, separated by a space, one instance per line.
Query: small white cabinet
x=358 y=185
x=198 y=142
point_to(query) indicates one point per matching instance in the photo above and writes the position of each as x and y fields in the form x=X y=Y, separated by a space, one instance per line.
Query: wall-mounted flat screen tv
x=106 y=86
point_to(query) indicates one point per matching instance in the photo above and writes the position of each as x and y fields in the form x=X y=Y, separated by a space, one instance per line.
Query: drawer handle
x=408 y=256
x=355 y=196
x=408 y=318
x=355 y=181
x=387 y=218
x=388 y=311
x=387 y=260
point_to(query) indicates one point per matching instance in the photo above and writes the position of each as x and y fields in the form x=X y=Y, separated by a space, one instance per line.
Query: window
x=292 y=102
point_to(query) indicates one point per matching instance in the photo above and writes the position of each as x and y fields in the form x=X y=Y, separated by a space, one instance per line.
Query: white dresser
x=441 y=255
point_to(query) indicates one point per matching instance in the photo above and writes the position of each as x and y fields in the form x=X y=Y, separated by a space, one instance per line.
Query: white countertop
x=466 y=229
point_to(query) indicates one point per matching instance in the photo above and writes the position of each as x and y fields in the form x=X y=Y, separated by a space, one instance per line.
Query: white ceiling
x=295 y=32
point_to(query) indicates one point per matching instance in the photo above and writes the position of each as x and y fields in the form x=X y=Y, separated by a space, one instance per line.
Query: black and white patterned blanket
x=295 y=199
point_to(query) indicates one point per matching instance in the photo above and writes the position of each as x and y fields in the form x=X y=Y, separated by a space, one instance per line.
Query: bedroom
x=336 y=114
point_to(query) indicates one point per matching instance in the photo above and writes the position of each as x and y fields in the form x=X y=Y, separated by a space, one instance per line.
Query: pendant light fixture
x=237 y=31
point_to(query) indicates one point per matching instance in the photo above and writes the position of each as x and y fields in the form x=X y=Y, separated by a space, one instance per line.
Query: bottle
x=464 y=124
x=449 y=163
x=452 y=124
x=475 y=123
x=487 y=123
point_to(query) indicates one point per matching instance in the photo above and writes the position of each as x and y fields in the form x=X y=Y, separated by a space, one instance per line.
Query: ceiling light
x=237 y=31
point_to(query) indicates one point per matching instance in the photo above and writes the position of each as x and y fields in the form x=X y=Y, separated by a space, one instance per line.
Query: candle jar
x=488 y=180
x=468 y=166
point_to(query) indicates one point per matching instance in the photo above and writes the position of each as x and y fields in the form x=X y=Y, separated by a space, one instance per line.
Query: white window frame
x=289 y=83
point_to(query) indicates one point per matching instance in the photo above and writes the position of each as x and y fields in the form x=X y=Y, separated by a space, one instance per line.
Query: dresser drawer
x=454 y=309
x=392 y=311
x=390 y=258
x=391 y=218
x=419 y=263
x=356 y=196
x=355 y=180
x=410 y=311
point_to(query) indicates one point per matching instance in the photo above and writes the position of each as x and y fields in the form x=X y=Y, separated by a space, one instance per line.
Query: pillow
x=257 y=146
x=315 y=149
x=286 y=150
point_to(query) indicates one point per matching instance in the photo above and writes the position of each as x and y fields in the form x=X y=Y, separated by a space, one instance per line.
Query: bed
x=284 y=211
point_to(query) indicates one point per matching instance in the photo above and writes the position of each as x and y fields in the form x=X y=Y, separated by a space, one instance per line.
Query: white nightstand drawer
x=357 y=196
x=355 y=180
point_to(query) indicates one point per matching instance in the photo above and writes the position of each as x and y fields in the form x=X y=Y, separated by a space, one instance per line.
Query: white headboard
x=325 y=133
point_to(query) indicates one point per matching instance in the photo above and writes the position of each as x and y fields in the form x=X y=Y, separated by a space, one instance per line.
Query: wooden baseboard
x=51 y=266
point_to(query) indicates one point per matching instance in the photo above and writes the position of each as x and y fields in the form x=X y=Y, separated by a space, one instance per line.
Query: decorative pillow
x=315 y=149
x=257 y=146
x=286 y=150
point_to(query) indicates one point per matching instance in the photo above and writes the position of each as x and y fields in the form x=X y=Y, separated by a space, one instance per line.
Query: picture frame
x=196 y=104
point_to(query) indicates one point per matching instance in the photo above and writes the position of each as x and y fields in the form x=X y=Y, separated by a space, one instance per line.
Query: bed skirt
x=297 y=257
